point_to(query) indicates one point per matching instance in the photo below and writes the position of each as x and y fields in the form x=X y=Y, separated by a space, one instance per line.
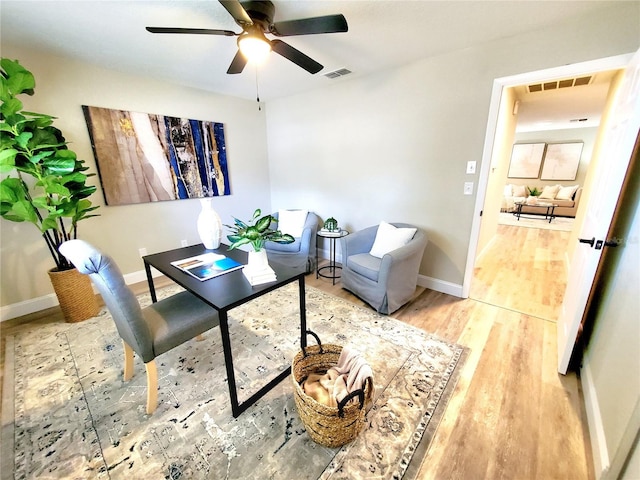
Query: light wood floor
x=511 y=415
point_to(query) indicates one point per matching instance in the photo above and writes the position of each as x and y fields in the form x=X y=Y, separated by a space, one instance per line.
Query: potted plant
x=256 y=232
x=49 y=188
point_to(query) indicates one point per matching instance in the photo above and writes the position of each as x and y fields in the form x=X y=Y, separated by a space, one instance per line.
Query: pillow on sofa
x=520 y=191
x=292 y=221
x=550 y=191
x=508 y=190
x=567 y=193
x=389 y=238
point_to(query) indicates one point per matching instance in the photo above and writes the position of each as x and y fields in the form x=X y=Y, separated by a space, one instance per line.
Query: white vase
x=209 y=225
x=258 y=270
x=258 y=261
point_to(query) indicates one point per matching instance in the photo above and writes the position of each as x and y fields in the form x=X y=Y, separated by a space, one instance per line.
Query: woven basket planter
x=75 y=295
x=328 y=426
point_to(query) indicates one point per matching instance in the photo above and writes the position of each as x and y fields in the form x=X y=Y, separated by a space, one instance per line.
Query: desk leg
x=303 y=314
x=152 y=288
x=228 y=362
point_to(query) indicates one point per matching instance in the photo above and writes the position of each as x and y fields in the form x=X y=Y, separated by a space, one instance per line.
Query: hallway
x=523 y=270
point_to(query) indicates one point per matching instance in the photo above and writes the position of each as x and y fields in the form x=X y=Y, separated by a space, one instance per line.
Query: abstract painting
x=526 y=159
x=561 y=161
x=144 y=157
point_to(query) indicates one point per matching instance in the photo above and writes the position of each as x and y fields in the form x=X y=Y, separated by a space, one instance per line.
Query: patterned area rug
x=76 y=418
x=564 y=224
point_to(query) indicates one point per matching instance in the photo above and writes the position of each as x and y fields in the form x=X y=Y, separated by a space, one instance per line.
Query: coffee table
x=224 y=293
x=550 y=209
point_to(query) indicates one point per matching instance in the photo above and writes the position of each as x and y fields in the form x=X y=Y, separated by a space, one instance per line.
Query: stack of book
x=331 y=233
x=264 y=274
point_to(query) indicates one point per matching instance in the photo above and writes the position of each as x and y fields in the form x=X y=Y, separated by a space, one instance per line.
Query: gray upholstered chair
x=149 y=331
x=302 y=252
x=385 y=283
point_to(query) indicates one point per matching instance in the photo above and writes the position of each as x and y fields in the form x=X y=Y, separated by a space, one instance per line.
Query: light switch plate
x=468 y=188
x=471 y=167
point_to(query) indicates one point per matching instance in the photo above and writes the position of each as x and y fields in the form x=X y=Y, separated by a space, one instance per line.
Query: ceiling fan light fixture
x=255 y=47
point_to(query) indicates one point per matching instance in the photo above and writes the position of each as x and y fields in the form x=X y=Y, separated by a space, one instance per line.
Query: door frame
x=499 y=84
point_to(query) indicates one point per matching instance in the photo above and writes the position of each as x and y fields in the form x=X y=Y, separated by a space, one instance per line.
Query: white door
x=618 y=142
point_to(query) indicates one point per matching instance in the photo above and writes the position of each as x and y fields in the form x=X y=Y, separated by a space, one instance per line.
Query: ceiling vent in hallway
x=555 y=85
x=338 y=73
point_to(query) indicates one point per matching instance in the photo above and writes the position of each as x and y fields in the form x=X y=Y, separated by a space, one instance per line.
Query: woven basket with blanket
x=333 y=389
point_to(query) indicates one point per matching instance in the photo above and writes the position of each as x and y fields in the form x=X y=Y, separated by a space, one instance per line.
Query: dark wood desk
x=224 y=293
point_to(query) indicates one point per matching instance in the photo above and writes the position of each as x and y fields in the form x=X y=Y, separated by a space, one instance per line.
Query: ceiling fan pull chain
x=257 y=91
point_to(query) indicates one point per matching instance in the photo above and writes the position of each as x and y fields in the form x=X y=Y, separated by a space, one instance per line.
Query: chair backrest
x=119 y=298
x=311 y=222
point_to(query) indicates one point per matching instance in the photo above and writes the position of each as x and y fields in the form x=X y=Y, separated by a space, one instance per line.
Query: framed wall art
x=526 y=159
x=144 y=157
x=561 y=161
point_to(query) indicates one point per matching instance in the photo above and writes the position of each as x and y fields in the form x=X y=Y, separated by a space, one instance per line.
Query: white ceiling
x=382 y=35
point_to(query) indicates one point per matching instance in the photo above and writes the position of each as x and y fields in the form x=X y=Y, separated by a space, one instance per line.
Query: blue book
x=208 y=265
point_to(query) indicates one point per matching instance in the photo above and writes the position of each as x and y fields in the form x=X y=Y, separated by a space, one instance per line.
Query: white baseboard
x=441 y=286
x=601 y=459
x=33 y=305
x=7 y=312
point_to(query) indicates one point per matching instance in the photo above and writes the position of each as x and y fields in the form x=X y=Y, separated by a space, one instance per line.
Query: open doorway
x=513 y=267
x=524 y=266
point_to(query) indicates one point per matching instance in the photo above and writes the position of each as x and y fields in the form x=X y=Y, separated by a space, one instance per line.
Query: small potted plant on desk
x=256 y=232
x=53 y=196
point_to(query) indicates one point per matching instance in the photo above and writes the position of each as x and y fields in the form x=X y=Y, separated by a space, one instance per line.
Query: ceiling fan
x=256 y=19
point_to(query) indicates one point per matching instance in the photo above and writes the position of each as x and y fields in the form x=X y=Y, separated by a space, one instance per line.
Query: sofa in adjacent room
x=566 y=198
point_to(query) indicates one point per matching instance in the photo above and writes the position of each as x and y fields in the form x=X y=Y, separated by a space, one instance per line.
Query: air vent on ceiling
x=566 y=83
x=337 y=73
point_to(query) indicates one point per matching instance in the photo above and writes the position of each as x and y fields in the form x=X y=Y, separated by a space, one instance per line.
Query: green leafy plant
x=534 y=192
x=49 y=187
x=256 y=232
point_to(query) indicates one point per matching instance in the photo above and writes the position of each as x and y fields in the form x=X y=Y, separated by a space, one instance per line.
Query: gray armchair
x=149 y=331
x=385 y=283
x=302 y=252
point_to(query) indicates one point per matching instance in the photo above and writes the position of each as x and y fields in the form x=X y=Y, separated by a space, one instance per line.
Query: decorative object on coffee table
x=56 y=200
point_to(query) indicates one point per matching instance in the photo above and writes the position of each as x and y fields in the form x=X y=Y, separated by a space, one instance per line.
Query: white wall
x=388 y=146
x=62 y=87
x=394 y=146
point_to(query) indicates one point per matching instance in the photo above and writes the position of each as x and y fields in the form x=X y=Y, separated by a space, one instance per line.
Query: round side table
x=332 y=268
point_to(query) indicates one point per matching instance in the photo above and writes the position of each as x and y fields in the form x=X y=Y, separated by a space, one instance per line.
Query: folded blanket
x=349 y=375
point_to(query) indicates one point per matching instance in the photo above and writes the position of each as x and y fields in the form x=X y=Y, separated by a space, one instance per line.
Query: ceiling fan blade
x=296 y=56
x=196 y=31
x=237 y=64
x=237 y=11
x=310 y=26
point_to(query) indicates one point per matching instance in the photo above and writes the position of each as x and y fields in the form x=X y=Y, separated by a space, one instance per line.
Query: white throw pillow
x=566 y=193
x=550 y=191
x=520 y=191
x=508 y=190
x=292 y=221
x=389 y=238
